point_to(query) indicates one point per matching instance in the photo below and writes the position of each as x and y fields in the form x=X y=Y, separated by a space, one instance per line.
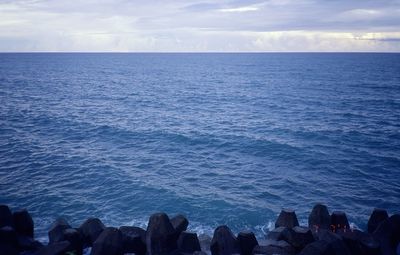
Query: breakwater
x=326 y=233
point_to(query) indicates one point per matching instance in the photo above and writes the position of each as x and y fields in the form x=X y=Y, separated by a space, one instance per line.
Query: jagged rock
x=276 y=234
x=287 y=218
x=6 y=218
x=160 y=235
x=90 y=230
x=205 y=242
x=59 y=248
x=388 y=234
x=339 y=221
x=109 y=242
x=298 y=237
x=26 y=243
x=23 y=223
x=319 y=218
x=320 y=247
x=134 y=239
x=56 y=230
x=180 y=223
x=377 y=216
x=188 y=242
x=74 y=237
x=247 y=241
x=272 y=247
x=224 y=242
x=359 y=243
x=337 y=245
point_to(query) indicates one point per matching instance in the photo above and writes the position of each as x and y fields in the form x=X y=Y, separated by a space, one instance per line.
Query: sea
x=222 y=138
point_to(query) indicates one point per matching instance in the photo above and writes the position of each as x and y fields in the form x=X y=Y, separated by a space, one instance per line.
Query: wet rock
x=247 y=241
x=337 y=245
x=7 y=249
x=188 y=242
x=160 y=235
x=90 y=230
x=26 y=243
x=109 y=242
x=224 y=242
x=23 y=223
x=287 y=218
x=8 y=241
x=319 y=247
x=298 y=237
x=134 y=239
x=56 y=230
x=199 y=253
x=360 y=243
x=319 y=218
x=180 y=223
x=276 y=234
x=6 y=218
x=339 y=221
x=272 y=247
x=59 y=248
x=205 y=242
x=74 y=237
x=377 y=216
x=388 y=234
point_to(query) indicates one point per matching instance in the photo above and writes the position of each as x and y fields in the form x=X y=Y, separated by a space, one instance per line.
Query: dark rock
x=90 y=230
x=287 y=218
x=377 y=216
x=6 y=218
x=160 y=235
x=59 y=248
x=8 y=236
x=180 y=223
x=298 y=237
x=109 y=242
x=224 y=242
x=134 y=239
x=339 y=221
x=188 y=242
x=8 y=249
x=276 y=234
x=23 y=223
x=26 y=243
x=337 y=245
x=320 y=247
x=359 y=243
x=56 y=230
x=205 y=242
x=199 y=253
x=74 y=237
x=247 y=241
x=319 y=218
x=388 y=234
x=272 y=247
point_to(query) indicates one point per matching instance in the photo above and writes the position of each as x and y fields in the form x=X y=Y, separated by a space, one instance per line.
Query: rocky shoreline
x=326 y=234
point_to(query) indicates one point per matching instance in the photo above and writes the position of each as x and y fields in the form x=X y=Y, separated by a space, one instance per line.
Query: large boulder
x=272 y=247
x=377 y=216
x=90 y=230
x=56 y=230
x=335 y=241
x=23 y=223
x=319 y=218
x=188 y=242
x=109 y=242
x=359 y=243
x=134 y=239
x=26 y=243
x=6 y=218
x=319 y=247
x=388 y=234
x=276 y=234
x=287 y=218
x=224 y=242
x=8 y=241
x=75 y=238
x=160 y=235
x=59 y=248
x=339 y=221
x=180 y=223
x=298 y=237
x=247 y=241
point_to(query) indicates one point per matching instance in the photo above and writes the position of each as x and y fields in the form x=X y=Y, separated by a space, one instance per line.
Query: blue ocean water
x=222 y=138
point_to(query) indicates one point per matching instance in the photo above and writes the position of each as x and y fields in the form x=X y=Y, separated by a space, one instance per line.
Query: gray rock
x=180 y=223
x=224 y=242
x=188 y=242
x=160 y=235
x=90 y=230
x=298 y=237
x=75 y=238
x=134 y=239
x=319 y=247
x=276 y=234
x=377 y=216
x=388 y=234
x=247 y=241
x=23 y=223
x=319 y=218
x=109 y=242
x=56 y=230
x=59 y=248
x=359 y=243
x=287 y=218
x=339 y=221
x=274 y=247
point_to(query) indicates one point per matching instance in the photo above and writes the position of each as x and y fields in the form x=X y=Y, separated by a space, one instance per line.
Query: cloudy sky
x=179 y=25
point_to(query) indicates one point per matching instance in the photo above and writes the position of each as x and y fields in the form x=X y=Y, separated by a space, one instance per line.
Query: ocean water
x=221 y=138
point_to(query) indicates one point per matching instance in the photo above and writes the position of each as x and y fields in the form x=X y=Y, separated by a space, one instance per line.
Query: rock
x=8 y=236
x=205 y=242
x=109 y=242
x=298 y=237
x=319 y=218
x=160 y=235
x=56 y=230
x=276 y=234
x=76 y=241
x=275 y=247
x=360 y=243
x=337 y=245
x=388 y=234
x=7 y=249
x=199 y=253
x=134 y=239
x=377 y=216
x=6 y=218
x=224 y=242
x=247 y=241
x=59 y=248
x=180 y=223
x=90 y=230
x=319 y=247
x=26 y=243
x=339 y=221
x=287 y=218
x=188 y=242
x=23 y=223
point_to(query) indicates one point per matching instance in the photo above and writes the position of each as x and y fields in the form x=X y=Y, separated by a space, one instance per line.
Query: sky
x=200 y=26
